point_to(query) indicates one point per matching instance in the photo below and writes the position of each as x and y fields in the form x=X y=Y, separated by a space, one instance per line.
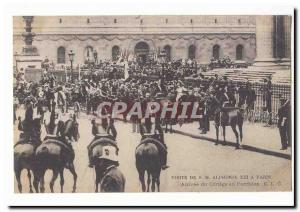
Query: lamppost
x=162 y=59
x=16 y=60
x=95 y=53
x=71 y=57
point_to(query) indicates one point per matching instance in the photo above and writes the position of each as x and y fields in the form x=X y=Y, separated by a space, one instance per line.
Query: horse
x=24 y=152
x=104 y=151
x=226 y=116
x=56 y=155
x=148 y=159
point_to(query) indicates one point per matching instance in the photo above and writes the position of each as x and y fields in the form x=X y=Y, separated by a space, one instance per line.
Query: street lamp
x=16 y=60
x=162 y=59
x=95 y=53
x=71 y=57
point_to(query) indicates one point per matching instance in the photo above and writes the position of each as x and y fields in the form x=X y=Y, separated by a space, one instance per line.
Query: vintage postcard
x=153 y=103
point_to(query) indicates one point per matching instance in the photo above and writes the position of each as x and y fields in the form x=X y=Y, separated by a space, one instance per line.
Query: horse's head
x=71 y=129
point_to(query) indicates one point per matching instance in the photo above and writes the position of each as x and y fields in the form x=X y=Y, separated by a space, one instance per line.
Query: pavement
x=256 y=137
x=196 y=164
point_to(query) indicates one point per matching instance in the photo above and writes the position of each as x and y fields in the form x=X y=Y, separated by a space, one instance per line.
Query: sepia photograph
x=190 y=103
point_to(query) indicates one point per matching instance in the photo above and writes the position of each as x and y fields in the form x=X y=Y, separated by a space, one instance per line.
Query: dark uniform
x=284 y=123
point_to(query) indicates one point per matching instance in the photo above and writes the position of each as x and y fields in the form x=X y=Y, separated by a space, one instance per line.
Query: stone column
x=287 y=24
x=29 y=60
x=265 y=41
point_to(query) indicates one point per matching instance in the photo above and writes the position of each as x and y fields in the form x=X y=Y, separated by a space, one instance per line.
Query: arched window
x=115 y=51
x=88 y=52
x=167 y=49
x=61 y=55
x=192 y=52
x=239 y=52
x=216 y=52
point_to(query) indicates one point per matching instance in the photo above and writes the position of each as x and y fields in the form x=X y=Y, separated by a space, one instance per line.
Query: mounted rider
x=30 y=127
x=55 y=127
x=56 y=133
x=100 y=129
x=157 y=135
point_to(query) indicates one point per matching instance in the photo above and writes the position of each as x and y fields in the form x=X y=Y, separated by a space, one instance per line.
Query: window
x=216 y=21
x=167 y=21
x=88 y=52
x=239 y=52
x=191 y=21
x=88 y=20
x=61 y=55
x=115 y=20
x=192 y=52
x=141 y=21
x=115 y=52
x=60 y=20
x=239 y=21
x=216 y=52
x=167 y=49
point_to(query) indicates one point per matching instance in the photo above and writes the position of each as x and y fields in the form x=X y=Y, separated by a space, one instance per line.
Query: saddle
x=57 y=140
x=103 y=139
x=154 y=139
x=23 y=140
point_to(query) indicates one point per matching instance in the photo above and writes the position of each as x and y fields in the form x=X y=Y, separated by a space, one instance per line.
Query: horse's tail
x=148 y=154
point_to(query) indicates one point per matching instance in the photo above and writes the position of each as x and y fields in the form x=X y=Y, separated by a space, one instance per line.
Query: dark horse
x=103 y=150
x=24 y=149
x=56 y=154
x=148 y=159
x=226 y=116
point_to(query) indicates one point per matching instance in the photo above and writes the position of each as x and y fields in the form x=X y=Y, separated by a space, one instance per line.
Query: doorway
x=141 y=50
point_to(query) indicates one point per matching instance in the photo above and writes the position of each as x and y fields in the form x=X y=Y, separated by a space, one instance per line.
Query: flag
x=126 y=74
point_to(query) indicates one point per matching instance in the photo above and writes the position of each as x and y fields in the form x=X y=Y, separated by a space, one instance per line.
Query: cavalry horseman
x=103 y=156
x=101 y=128
x=56 y=130
x=156 y=132
x=28 y=124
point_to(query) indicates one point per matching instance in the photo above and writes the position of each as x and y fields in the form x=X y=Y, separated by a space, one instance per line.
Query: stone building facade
x=199 y=37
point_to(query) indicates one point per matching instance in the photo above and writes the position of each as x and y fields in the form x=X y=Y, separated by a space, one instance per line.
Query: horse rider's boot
x=164 y=161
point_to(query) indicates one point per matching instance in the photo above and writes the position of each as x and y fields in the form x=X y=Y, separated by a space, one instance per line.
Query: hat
x=109 y=153
x=159 y=96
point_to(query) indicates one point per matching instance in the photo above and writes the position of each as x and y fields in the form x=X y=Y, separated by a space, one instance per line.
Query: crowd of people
x=136 y=81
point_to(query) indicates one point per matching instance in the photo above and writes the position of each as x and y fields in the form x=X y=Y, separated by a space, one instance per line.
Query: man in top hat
x=284 y=120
